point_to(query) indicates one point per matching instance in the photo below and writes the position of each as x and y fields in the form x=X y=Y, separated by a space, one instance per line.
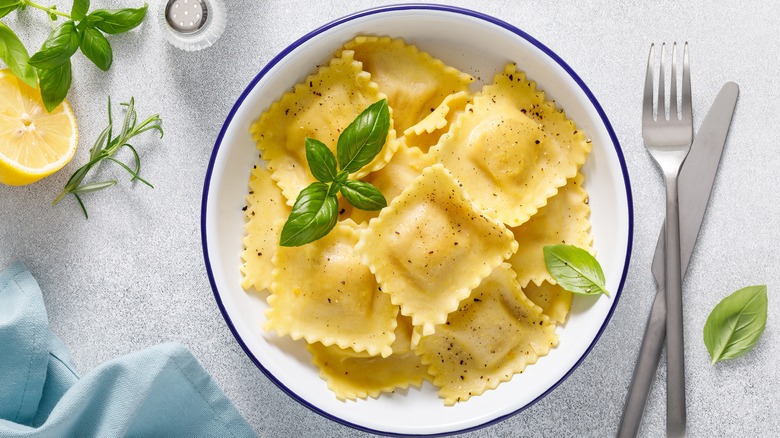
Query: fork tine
x=687 y=107
x=662 y=102
x=647 y=99
x=673 y=113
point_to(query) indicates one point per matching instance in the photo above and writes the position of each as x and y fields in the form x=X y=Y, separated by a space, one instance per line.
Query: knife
x=695 y=185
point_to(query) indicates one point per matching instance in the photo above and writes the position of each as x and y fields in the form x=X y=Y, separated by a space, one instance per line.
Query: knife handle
x=645 y=368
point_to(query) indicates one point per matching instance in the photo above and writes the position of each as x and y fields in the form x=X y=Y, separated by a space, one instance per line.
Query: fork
x=668 y=140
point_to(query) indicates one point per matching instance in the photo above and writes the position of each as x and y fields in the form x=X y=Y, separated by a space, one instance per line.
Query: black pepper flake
x=537 y=142
x=342 y=211
x=477 y=300
x=244 y=208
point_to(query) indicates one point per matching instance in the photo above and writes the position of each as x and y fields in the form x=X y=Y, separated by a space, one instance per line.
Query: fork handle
x=675 y=356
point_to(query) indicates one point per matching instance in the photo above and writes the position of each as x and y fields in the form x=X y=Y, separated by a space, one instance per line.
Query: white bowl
x=479 y=45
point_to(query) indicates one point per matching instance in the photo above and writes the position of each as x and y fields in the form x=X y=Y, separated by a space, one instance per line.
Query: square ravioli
x=431 y=246
x=321 y=292
x=415 y=82
x=494 y=335
x=564 y=220
x=512 y=149
x=264 y=211
x=320 y=107
x=351 y=375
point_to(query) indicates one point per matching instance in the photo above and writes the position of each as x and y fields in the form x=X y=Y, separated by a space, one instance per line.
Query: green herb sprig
x=736 y=323
x=575 y=269
x=82 y=30
x=315 y=211
x=104 y=149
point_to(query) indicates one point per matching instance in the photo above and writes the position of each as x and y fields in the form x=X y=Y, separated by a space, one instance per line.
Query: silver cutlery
x=668 y=141
x=695 y=185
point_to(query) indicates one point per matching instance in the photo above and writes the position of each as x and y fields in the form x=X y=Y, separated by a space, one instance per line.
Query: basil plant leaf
x=55 y=83
x=116 y=21
x=8 y=6
x=575 y=269
x=362 y=140
x=61 y=44
x=15 y=56
x=313 y=215
x=321 y=160
x=736 y=323
x=363 y=195
x=79 y=10
x=96 y=48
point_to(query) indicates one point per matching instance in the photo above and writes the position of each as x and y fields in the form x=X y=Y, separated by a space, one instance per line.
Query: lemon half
x=34 y=143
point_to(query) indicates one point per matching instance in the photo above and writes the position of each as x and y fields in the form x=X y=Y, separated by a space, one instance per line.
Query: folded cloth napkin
x=160 y=391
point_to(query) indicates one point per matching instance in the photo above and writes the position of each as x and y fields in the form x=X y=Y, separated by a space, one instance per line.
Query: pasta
x=412 y=80
x=447 y=283
x=430 y=247
x=337 y=302
x=494 y=334
x=511 y=149
x=352 y=375
x=320 y=107
x=264 y=211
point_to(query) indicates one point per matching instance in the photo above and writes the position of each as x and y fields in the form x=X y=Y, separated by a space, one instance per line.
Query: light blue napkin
x=160 y=391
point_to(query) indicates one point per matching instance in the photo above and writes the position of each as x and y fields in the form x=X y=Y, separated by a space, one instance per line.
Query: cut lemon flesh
x=34 y=143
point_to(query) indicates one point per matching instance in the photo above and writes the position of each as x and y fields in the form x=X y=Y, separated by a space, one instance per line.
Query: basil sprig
x=736 y=323
x=315 y=211
x=82 y=30
x=575 y=269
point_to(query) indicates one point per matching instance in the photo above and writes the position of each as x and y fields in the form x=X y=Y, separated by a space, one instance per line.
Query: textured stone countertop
x=133 y=274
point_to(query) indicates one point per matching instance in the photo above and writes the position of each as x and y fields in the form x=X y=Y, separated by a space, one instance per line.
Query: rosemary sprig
x=104 y=149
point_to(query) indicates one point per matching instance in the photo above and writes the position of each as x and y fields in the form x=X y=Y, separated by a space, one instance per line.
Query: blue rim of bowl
x=403 y=7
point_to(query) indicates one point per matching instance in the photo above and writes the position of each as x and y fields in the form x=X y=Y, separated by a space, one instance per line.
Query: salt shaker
x=192 y=24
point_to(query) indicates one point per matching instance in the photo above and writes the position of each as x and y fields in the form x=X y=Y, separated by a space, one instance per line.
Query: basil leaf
x=79 y=10
x=363 y=195
x=8 y=6
x=575 y=269
x=313 y=215
x=736 y=323
x=15 y=56
x=55 y=83
x=117 y=20
x=321 y=160
x=362 y=140
x=61 y=44
x=96 y=48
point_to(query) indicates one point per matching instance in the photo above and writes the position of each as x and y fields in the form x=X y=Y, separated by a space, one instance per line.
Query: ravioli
x=511 y=149
x=554 y=300
x=351 y=375
x=264 y=210
x=405 y=166
x=430 y=247
x=321 y=292
x=319 y=107
x=495 y=333
x=428 y=131
x=564 y=220
x=415 y=82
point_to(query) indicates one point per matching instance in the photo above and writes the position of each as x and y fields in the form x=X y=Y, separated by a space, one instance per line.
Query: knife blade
x=695 y=185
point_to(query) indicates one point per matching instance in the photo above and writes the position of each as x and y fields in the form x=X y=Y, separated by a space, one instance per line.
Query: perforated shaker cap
x=192 y=24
